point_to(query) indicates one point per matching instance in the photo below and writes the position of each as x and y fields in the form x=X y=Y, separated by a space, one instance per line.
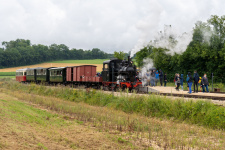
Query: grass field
x=87 y=120
x=94 y=61
x=7 y=75
x=30 y=126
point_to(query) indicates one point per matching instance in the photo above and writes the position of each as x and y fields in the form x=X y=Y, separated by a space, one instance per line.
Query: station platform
x=171 y=91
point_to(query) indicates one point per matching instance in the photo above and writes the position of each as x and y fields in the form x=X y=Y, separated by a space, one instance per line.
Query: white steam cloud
x=148 y=63
x=169 y=39
x=172 y=40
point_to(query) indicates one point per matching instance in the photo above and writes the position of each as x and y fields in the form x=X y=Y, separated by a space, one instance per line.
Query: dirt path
x=45 y=65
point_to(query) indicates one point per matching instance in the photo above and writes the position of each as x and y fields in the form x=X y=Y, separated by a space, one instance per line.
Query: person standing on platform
x=205 y=83
x=165 y=79
x=200 y=83
x=196 y=80
x=161 y=77
x=189 y=78
x=156 y=77
x=182 y=81
x=175 y=80
x=178 y=82
x=152 y=79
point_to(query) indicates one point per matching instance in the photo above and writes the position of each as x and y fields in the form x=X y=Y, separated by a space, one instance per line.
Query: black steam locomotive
x=118 y=73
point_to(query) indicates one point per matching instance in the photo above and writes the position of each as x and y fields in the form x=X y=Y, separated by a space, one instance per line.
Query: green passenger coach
x=58 y=75
x=42 y=74
x=31 y=74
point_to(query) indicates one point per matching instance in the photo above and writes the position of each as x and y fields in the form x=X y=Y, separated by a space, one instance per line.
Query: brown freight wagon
x=85 y=74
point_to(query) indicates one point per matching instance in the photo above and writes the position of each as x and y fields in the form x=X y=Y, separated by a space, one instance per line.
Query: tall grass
x=195 y=112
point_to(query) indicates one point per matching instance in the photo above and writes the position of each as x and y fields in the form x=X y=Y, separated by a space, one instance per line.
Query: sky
x=110 y=25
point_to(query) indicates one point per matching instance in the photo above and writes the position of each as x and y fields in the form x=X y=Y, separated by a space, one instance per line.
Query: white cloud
x=106 y=24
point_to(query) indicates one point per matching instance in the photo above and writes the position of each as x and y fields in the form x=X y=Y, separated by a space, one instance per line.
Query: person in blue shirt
x=156 y=77
x=182 y=81
x=152 y=78
x=189 y=81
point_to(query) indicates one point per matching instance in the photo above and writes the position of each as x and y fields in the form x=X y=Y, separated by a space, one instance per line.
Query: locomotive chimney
x=129 y=60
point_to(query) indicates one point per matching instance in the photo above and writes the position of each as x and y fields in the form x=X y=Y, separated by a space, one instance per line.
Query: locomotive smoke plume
x=172 y=40
x=148 y=63
x=169 y=39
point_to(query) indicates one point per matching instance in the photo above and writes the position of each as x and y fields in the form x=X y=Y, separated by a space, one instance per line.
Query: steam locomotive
x=116 y=74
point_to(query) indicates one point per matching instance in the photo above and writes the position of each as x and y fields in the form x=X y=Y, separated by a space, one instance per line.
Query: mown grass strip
x=22 y=112
x=7 y=73
x=195 y=112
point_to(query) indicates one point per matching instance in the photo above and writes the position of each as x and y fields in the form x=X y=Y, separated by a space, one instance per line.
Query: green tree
x=161 y=59
x=119 y=55
x=142 y=54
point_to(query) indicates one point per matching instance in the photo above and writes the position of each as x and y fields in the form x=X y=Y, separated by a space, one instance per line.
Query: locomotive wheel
x=116 y=89
x=130 y=89
x=123 y=87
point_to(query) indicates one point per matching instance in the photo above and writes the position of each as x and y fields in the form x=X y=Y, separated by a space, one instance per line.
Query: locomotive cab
x=110 y=70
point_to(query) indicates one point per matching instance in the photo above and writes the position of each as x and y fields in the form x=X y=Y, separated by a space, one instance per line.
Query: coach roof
x=24 y=69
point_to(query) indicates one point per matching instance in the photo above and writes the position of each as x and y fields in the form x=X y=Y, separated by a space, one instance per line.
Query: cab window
x=106 y=67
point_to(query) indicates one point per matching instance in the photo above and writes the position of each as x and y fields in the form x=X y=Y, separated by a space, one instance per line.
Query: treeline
x=21 y=52
x=205 y=53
